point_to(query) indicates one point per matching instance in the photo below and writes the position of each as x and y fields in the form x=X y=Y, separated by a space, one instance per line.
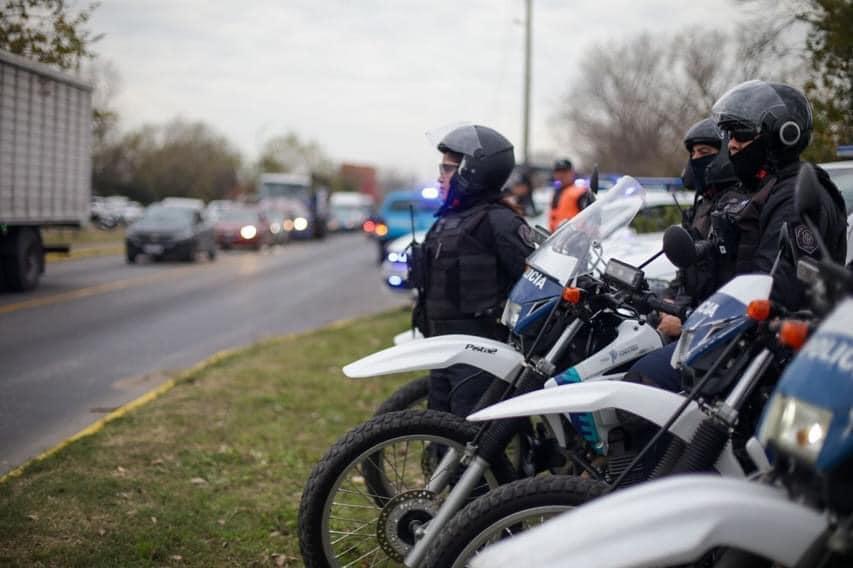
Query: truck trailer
x=45 y=163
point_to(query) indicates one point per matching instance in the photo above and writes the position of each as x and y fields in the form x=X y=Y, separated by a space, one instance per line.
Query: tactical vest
x=462 y=291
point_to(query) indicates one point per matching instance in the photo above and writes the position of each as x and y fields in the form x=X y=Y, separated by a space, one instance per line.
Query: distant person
x=519 y=196
x=569 y=198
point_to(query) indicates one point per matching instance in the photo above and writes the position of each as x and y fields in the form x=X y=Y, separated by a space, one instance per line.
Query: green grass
x=209 y=474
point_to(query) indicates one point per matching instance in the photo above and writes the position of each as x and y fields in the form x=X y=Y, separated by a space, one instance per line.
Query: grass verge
x=210 y=473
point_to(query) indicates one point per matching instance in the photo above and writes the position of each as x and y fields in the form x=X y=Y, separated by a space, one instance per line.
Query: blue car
x=394 y=217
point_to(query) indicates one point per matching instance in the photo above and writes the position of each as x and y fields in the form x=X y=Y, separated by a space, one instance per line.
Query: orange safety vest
x=567 y=207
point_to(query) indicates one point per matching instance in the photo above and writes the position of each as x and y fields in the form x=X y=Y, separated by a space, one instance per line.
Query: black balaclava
x=695 y=172
x=750 y=161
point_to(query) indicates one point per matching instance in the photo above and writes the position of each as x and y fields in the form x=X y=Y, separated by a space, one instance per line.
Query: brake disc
x=401 y=517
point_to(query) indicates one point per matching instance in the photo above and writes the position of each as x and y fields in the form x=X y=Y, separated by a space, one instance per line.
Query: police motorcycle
x=728 y=357
x=797 y=513
x=371 y=497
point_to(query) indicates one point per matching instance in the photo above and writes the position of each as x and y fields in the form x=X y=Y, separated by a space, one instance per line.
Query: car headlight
x=248 y=231
x=300 y=223
x=795 y=427
x=510 y=315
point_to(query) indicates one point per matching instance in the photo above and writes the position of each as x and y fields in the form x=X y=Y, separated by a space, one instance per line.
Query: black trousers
x=457 y=389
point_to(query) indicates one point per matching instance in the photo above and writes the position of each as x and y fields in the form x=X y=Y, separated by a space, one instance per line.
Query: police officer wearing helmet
x=710 y=174
x=471 y=257
x=767 y=126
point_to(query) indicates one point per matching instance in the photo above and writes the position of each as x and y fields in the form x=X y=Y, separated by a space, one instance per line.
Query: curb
x=124 y=409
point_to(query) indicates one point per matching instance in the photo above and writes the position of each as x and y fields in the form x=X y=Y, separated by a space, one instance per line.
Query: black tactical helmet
x=703 y=132
x=779 y=112
x=487 y=159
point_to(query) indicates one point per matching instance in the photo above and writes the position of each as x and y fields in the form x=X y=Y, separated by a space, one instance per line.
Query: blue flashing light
x=395 y=281
x=392 y=257
x=429 y=193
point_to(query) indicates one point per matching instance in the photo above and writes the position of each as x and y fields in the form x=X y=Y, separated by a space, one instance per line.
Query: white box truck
x=45 y=163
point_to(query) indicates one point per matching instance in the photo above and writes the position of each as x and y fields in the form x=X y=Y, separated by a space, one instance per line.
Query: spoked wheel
x=505 y=512
x=367 y=498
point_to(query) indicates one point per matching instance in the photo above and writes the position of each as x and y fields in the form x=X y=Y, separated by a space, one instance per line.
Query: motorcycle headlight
x=510 y=315
x=795 y=427
x=681 y=348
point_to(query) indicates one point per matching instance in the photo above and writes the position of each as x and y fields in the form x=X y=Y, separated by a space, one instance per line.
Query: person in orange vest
x=569 y=198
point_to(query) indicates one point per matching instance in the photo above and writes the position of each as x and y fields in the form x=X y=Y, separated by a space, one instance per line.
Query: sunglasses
x=743 y=134
x=447 y=169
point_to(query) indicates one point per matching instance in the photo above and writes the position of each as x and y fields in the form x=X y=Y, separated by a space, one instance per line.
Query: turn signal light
x=572 y=295
x=793 y=333
x=381 y=230
x=759 y=310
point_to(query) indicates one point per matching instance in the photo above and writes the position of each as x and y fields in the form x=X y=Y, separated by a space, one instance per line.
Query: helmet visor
x=747 y=106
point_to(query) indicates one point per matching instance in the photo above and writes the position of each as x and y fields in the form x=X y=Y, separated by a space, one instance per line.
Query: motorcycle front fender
x=654 y=404
x=667 y=522
x=494 y=357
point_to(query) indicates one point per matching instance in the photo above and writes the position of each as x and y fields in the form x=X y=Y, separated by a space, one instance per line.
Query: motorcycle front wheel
x=368 y=495
x=505 y=512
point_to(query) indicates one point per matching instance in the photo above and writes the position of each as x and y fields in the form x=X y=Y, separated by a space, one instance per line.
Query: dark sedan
x=166 y=231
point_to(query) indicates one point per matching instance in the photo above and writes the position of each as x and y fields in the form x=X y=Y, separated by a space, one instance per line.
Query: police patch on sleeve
x=526 y=235
x=806 y=240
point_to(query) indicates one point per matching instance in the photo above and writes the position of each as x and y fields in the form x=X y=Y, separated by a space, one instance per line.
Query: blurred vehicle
x=296 y=197
x=187 y=202
x=215 y=207
x=100 y=215
x=842 y=175
x=168 y=231
x=242 y=228
x=131 y=212
x=395 y=268
x=398 y=212
x=278 y=223
x=348 y=210
x=45 y=130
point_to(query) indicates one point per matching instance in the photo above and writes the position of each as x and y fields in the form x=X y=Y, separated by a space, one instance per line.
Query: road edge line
x=124 y=409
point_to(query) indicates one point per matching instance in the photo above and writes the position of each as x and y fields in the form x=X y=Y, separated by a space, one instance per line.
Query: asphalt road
x=99 y=333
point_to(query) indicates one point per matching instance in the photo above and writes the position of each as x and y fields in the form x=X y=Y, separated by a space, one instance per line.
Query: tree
x=288 y=153
x=633 y=102
x=181 y=159
x=47 y=31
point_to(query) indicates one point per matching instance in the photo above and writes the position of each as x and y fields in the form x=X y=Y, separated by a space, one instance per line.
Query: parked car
x=166 y=231
x=188 y=202
x=842 y=174
x=243 y=228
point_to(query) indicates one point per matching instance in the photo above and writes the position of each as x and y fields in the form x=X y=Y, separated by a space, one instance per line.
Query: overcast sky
x=365 y=78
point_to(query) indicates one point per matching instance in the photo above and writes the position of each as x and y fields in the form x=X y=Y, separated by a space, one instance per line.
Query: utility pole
x=528 y=25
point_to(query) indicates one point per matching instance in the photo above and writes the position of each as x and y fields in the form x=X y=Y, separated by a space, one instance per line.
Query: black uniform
x=759 y=225
x=472 y=257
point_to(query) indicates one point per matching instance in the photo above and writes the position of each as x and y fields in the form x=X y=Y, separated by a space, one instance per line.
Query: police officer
x=767 y=126
x=710 y=174
x=471 y=257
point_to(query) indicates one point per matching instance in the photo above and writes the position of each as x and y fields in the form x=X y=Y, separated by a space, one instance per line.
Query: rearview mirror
x=678 y=246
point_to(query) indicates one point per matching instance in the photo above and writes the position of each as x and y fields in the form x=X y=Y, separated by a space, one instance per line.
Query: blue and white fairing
x=567 y=253
x=821 y=376
x=720 y=318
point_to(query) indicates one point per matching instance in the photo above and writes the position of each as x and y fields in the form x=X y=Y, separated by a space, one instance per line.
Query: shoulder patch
x=526 y=235
x=805 y=239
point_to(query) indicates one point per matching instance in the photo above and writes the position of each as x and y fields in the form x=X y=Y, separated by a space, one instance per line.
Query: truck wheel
x=24 y=266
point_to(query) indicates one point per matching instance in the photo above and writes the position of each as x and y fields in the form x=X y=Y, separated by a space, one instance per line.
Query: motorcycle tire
x=506 y=511
x=346 y=517
x=412 y=395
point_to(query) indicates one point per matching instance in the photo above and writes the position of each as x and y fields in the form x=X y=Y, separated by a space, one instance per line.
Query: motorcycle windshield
x=567 y=252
